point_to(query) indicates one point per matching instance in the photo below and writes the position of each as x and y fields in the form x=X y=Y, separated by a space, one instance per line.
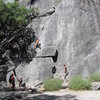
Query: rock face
x=73 y=31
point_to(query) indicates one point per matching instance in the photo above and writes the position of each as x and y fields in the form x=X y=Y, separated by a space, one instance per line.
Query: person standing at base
x=65 y=71
x=20 y=80
x=12 y=81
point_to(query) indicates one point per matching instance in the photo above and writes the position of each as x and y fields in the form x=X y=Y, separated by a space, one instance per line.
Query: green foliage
x=95 y=77
x=52 y=84
x=12 y=15
x=14 y=32
x=78 y=83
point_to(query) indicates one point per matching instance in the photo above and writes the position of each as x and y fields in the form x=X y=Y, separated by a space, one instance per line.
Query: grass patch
x=95 y=77
x=52 y=84
x=78 y=83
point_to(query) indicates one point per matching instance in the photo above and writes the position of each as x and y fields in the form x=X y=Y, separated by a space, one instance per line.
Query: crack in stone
x=47 y=13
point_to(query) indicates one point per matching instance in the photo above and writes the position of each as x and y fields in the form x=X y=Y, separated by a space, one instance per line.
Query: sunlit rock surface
x=73 y=30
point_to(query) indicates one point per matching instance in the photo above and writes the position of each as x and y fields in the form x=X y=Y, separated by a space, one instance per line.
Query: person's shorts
x=38 y=46
x=67 y=73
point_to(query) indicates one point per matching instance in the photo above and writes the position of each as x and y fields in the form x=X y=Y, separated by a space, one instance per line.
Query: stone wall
x=73 y=30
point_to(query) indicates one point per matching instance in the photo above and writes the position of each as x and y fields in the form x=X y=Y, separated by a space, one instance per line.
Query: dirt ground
x=77 y=95
x=64 y=94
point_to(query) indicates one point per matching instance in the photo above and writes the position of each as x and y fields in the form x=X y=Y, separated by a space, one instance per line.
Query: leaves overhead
x=12 y=16
x=15 y=36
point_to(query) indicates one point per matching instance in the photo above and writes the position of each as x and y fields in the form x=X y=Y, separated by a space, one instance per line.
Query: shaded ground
x=22 y=95
x=64 y=94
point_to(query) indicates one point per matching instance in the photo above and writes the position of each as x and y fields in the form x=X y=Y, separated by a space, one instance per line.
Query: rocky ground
x=63 y=94
x=38 y=93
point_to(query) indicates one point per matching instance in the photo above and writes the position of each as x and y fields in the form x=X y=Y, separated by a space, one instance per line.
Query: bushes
x=78 y=83
x=12 y=15
x=52 y=84
x=95 y=77
x=75 y=83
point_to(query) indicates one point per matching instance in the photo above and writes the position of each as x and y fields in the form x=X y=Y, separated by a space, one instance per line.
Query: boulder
x=95 y=85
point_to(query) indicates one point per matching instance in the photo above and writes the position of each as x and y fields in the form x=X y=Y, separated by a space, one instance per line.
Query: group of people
x=12 y=81
x=20 y=80
x=12 y=76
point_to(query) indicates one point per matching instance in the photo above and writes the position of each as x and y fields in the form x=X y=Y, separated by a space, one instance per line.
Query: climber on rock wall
x=38 y=44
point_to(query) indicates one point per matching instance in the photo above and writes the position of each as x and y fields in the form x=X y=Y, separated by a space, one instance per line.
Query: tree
x=15 y=36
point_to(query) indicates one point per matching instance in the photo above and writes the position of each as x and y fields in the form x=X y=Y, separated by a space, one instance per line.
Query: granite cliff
x=69 y=32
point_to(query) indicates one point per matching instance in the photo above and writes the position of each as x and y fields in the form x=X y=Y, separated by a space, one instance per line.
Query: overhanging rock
x=46 y=51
